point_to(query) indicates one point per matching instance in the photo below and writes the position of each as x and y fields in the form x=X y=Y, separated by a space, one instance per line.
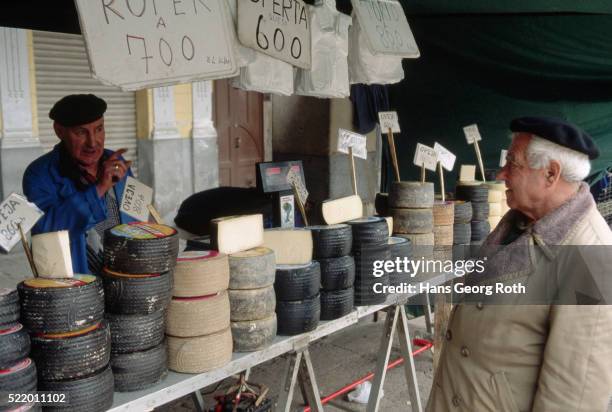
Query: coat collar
x=518 y=257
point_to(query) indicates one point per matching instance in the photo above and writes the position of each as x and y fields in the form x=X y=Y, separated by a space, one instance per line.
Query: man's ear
x=553 y=172
x=59 y=130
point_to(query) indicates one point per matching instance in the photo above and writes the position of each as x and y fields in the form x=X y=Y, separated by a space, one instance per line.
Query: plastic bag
x=361 y=394
x=328 y=76
x=366 y=67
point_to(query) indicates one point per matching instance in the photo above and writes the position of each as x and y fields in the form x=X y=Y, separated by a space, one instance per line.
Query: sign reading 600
x=279 y=28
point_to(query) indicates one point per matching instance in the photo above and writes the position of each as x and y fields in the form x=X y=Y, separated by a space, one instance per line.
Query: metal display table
x=298 y=368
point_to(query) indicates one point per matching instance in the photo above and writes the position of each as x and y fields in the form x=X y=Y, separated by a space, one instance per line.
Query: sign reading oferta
x=279 y=28
x=137 y=44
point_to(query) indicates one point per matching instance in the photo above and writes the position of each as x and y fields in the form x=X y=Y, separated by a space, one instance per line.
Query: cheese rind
x=51 y=254
x=236 y=233
x=342 y=210
x=290 y=246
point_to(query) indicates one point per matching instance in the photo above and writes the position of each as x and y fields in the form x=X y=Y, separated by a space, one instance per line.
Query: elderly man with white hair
x=555 y=355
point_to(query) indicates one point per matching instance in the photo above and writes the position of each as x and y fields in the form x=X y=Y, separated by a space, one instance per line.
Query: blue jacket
x=65 y=206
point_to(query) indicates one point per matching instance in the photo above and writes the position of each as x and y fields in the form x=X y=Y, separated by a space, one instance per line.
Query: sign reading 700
x=279 y=28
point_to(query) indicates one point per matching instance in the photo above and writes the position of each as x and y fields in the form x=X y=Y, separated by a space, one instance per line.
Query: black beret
x=77 y=109
x=557 y=131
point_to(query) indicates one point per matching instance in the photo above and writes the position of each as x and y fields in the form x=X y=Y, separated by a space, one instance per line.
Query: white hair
x=575 y=166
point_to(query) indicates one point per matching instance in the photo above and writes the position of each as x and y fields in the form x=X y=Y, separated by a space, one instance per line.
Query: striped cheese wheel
x=200 y=273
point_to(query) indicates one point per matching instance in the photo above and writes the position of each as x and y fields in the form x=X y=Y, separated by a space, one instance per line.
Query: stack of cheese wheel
x=70 y=339
x=477 y=194
x=443 y=219
x=139 y=262
x=370 y=244
x=332 y=249
x=497 y=202
x=462 y=229
x=198 y=325
x=252 y=298
x=17 y=371
x=411 y=206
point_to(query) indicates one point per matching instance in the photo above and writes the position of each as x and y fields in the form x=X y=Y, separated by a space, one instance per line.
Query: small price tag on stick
x=16 y=214
x=445 y=157
x=136 y=198
x=389 y=120
x=472 y=135
x=426 y=158
x=502 y=158
x=357 y=141
x=446 y=160
x=390 y=123
x=294 y=179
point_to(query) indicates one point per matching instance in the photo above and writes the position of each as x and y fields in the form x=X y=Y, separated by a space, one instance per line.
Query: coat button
x=456 y=400
x=479 y=305
x=465 y=352
x=449 y=334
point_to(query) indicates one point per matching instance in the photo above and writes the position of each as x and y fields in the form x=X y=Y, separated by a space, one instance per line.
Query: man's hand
x=113 y=170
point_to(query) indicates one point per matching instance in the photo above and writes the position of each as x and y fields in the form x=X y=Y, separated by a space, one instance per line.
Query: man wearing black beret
x=549 y=347
x=79 y=183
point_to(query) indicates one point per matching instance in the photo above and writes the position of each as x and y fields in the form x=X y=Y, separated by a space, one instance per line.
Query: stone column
x=18 y=146
x=205 y=149
x=164 y=159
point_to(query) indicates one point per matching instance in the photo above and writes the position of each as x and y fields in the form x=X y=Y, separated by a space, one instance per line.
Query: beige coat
x=532 y=357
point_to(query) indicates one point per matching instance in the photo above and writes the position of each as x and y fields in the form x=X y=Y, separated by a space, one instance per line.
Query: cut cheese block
x=51 y=253
x=200 y=273
x=236 y=233
x=342 y=210
x=495 y=209
x=467 y=173
x=290 y=246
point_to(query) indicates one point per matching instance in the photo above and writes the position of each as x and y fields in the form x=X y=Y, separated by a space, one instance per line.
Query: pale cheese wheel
x=200 y=354
x=198 y=316
x=443 y=213
x=443 y=235
x=199 y=273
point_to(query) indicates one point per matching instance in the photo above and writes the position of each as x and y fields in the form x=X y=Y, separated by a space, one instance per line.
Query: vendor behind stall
x=79 y=184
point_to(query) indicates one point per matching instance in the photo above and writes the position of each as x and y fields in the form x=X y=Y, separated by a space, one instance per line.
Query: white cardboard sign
x=136 y=197
x=143 y=44
x=425 y=156
x=471 y=133
x=389 y=120
x=502 y=158
x=445 y=156
x=386 y=27
x=294 y=178
x=16 y=210
x=279 y=28
x=357 y=141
